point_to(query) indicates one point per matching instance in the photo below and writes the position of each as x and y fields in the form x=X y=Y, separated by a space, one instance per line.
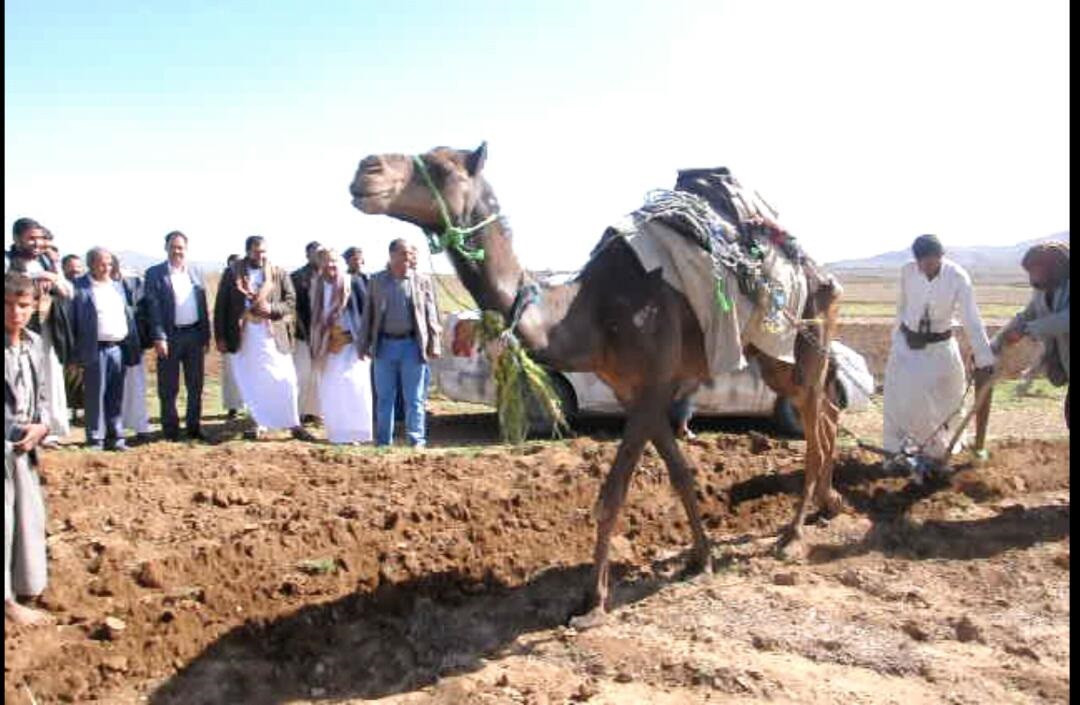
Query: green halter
x=452 y=236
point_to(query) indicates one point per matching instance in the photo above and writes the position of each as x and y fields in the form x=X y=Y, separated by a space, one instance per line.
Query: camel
x=627 y=326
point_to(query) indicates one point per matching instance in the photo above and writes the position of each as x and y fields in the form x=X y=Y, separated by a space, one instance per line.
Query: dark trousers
x=73 y=385
x=185 y=349
x=104 y=385
x=682 y=410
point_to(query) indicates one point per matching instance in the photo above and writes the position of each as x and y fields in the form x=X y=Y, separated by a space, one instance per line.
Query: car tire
x=539 y=421
x=786 y=418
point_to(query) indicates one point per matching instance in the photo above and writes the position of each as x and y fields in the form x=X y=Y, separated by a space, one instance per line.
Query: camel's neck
x=494 y=284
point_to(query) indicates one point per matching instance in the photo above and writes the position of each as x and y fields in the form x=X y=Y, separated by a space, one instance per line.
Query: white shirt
x=111 y=309
x=187 y=309
x=941 y=299
x=256 y=277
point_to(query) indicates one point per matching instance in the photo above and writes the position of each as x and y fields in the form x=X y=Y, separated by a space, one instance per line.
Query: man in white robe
x=924 y=377
x=253 y=320
x=337 y=302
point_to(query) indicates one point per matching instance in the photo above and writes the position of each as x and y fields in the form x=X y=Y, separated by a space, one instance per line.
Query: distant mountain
x=978 y=257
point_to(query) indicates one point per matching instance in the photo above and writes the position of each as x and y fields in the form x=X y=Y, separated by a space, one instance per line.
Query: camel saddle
x=749 y=213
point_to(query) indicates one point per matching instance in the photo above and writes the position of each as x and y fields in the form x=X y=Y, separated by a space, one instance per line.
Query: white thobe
x=345 y=389
x=924 y=389
x=265 y=375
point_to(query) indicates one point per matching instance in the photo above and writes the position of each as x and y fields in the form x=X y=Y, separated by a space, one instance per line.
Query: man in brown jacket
x=401 y=332
x=253 y=319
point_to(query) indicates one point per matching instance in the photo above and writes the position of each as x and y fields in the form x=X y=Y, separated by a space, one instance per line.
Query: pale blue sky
x=864 y=123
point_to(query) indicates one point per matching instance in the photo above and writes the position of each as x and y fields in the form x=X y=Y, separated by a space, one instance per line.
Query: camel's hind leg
x=826 y=303
x=827 y=496
x=682 y=480
x=608 y=505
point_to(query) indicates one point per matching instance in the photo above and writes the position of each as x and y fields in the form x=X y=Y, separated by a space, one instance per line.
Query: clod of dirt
x=851 y=578
x=1062 y=560
x=966 y=630
x=915 y=630
x=117 y=663
x=786 y=579
x=349 y=512
x=759 y=443
x=624 y=677
x=150 y=575
x=109 y=629
x=584 y=692
x=503 y=680
x=1022 y=650
x=764 y=642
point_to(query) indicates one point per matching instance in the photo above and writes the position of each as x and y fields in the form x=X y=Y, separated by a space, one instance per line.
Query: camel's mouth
x=372 y=203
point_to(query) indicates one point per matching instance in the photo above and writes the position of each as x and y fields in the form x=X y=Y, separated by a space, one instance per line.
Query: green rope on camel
x=517 y=378
x=452 y=236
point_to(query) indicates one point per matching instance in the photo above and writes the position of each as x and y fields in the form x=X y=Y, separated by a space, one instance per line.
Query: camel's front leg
x=608 y=505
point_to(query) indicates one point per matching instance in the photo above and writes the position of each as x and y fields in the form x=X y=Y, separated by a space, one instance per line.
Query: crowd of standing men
x=325 y=344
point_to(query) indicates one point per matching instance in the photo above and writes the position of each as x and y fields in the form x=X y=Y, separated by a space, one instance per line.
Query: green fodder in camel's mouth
x=517 y=379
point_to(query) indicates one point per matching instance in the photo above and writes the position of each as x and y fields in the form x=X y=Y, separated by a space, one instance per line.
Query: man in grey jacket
x=1046 y=317
x=401 y=332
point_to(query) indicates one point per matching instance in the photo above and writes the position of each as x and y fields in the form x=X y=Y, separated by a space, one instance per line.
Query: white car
x=463 y=373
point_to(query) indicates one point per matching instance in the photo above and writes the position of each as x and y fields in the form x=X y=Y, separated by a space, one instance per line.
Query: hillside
x=972 y=258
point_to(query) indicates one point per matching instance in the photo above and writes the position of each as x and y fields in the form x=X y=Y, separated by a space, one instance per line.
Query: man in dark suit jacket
x=180 y=329
x=106 y=342
x=301 y=281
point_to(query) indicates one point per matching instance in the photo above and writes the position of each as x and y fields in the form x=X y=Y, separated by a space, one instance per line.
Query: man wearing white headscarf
x=343 y=378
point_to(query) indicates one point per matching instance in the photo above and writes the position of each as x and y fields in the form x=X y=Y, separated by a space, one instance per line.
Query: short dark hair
x=25 y=225
x=351 y=250
x=175 y=233
x=252 y=241
x=68 y=258
x=93 y=253
x=398 y=244
x=313 y=245
x=231 y=259
x=927 y=246
x=18 y=284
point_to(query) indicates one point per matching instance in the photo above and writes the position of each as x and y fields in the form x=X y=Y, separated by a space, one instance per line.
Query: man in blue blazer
x=180 y=328
x=106 y=341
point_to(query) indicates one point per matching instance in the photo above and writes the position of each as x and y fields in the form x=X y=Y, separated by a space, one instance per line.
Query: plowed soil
x=282 y=572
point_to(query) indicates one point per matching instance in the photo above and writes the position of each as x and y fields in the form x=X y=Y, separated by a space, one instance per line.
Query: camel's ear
x=475 y=161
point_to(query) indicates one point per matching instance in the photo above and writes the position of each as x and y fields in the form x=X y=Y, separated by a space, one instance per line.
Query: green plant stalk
x=517 y=376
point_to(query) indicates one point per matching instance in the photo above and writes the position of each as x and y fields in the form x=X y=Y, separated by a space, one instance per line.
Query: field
x=284 y=572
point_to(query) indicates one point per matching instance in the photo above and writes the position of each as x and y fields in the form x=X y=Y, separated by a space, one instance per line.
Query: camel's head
x=391 y=184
